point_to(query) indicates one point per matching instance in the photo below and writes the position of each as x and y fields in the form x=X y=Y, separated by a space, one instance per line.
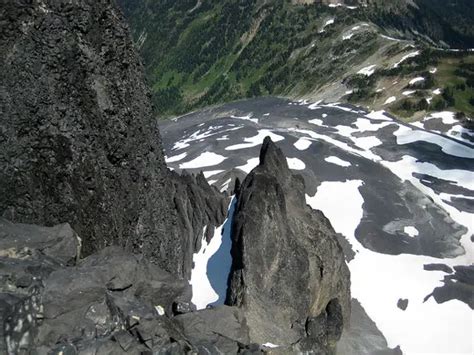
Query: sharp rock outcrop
x=111 y=302
x=288 y=272
x=78 y=141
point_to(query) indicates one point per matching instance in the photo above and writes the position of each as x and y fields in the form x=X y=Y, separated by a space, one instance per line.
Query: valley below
x=400 y=197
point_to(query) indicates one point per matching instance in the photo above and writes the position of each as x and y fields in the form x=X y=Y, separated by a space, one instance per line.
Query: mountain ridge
x=233 y=50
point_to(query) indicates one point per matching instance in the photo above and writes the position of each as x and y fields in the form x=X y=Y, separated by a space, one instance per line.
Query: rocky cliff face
x=288 y=272
x=81 y=154
x=111 y=302
x=78 y=142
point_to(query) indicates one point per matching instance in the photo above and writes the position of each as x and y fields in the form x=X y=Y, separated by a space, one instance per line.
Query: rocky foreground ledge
x=288 y=290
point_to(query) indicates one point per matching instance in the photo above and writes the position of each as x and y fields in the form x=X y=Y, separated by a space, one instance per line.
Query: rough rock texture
x=111 y=302
x=288 y=272
x=459 y=285
x=78 y=142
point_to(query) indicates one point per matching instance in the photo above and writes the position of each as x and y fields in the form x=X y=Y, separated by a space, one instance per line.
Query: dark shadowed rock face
x=78 y=142
x=288 y=271
x=111 y=302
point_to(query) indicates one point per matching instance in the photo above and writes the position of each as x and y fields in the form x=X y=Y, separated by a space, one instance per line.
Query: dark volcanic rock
x=438 y=267
x=402 y=304
x=112 y=302
x=78 y=142
x=288 y=272
x=459 y=285
x=220 y=329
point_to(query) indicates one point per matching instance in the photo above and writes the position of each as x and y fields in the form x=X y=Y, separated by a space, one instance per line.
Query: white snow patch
x=422 y=328
x=315 y=106
x=204 y=160
x=406 y=135
x=225 y=185
x=203 y=292
x=175 y=158
x=316 y=121
x=256 y=140
x=447 y=117
x=198 y=135
x=390 y=38
x=348 y=36
x=302 y=144
x=368 y=71
x=390 y=100
x=270 y=345
x=246 y=118
x=411 y=231
x=251 y=163
x=378 y=115
x=295 y=164
x=208 y=174
x=338 y=161
x=433 y=70
x=409 y=55
x=408 y=92
x=327 y=23
x=437 y=92
x=416 y=80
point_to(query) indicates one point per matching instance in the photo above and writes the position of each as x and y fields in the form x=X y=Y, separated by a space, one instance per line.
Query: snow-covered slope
x=401 y=195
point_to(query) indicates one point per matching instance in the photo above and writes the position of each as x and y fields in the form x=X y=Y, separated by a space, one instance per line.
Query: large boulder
x=111 y=302
x=78 y=140
x=288 y=272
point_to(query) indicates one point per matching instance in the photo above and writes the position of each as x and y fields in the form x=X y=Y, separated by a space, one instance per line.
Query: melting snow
x=204 y=160
x=337 y=161
x=256 y=140
x=295 y=164
x=411 y=231
x=406 y=135
x=302 y=144
x=409 y=55
x=416 y=80
x=251 y=163
x=400 y=276
x=212 y=265
x=270 y=345
x=390 y=100
x=246 y=118
x=208 y=174
x=175 y=158
x=327 y=23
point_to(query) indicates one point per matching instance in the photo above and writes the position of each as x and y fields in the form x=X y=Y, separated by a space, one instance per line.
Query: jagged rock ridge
x=78 y=142
x=288 y=272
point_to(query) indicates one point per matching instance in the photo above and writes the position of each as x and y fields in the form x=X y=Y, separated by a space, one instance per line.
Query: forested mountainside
x=201 y=53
